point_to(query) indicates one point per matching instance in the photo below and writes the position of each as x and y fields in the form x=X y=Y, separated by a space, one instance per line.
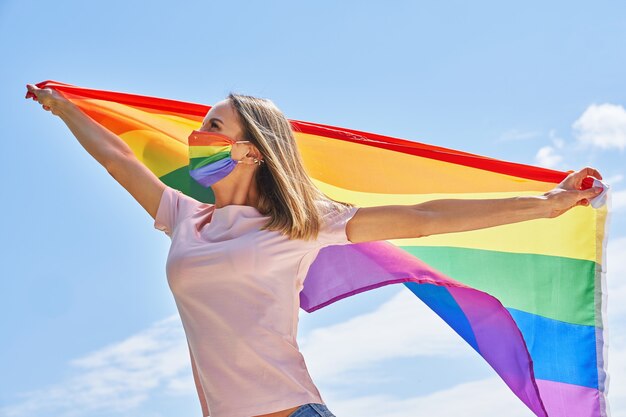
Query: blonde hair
x=286 y=193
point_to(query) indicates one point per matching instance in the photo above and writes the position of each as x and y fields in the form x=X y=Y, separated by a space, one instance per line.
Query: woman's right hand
x=49 y=99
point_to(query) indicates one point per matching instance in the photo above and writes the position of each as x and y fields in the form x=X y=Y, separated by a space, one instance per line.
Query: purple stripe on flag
x=501 y=343
x=569 y=400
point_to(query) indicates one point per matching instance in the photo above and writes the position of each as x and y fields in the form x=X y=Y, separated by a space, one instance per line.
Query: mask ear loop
x=256 y=161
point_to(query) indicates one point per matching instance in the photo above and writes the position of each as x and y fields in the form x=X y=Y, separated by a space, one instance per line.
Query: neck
x=236 y=189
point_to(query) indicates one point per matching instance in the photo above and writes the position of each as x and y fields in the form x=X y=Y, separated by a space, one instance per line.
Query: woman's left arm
x=459 y=215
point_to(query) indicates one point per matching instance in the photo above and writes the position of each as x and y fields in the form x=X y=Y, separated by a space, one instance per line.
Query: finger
x=591 y=172
x=577 y=178
x=32 y=91
x=581 y=178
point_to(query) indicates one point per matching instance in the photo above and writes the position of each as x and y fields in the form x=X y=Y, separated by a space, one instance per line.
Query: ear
x=255 y=152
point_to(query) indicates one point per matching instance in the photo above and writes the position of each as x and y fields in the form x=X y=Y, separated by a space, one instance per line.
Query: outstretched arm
x=107 y=148
x=459 y=215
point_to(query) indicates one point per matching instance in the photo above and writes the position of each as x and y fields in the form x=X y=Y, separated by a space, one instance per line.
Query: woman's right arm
x=107 y=148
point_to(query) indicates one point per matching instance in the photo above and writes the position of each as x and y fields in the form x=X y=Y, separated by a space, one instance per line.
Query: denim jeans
x=312 y=410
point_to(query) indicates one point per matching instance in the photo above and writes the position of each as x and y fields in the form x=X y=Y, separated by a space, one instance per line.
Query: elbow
x=111 y=167
x=424 y=224
x=114 y=161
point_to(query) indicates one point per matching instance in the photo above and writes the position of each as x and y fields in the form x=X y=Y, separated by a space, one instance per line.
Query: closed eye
x=211 y=123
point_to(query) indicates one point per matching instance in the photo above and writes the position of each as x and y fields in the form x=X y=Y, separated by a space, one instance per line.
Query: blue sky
x=89 y=326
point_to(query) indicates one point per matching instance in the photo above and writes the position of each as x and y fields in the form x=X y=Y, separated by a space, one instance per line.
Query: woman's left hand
x=569 y=194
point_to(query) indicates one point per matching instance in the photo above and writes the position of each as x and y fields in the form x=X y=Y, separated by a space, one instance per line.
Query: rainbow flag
x=529 y=297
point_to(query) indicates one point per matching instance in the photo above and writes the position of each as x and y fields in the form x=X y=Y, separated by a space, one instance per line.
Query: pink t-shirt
x=237 y=292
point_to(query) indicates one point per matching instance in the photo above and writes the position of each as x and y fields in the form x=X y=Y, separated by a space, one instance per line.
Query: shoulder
x=174 y=207
x=334 y=219
x=327 y=208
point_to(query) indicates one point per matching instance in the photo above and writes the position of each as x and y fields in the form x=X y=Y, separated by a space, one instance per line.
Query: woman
x=236 y=267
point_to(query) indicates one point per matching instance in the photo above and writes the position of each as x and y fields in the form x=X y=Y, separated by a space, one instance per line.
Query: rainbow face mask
x=210 y=157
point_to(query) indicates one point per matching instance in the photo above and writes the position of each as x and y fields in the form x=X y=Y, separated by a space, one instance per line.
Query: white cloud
x=550 y=156
x=547 y=157
x=183 y=385
x=488 y=397
x=116 y=378
x=602 y=126
x=404 y=327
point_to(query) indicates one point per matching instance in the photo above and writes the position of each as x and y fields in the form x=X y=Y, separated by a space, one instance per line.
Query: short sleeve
x=333 y=229
x=173 y=208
